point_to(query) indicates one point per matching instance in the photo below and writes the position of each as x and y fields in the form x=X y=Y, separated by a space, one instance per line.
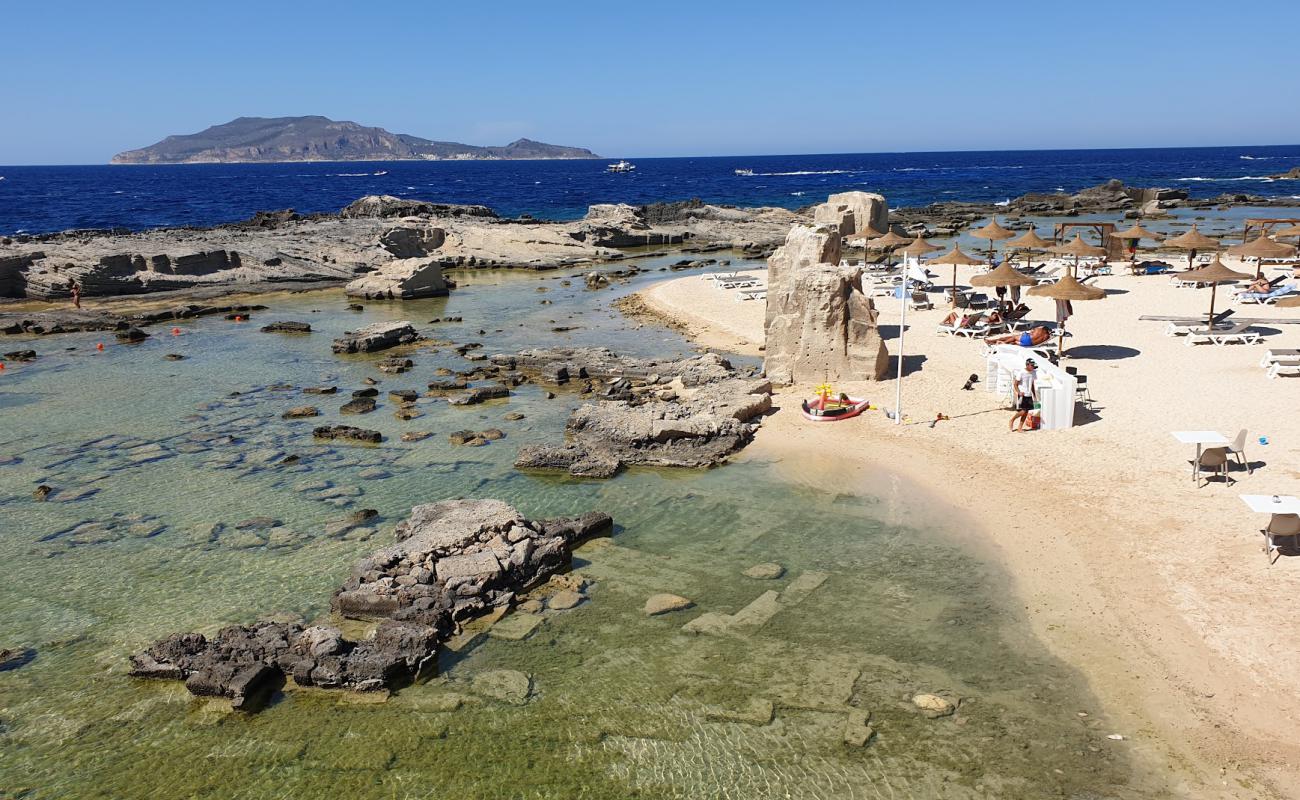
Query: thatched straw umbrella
x=1028 y=241
x=1004 y=275
x=1214 y=274
x=1078 y=247
x=1289 y=302
x=1192 y=241
x=1068 y=289
x=1132 y=236
x=887 y=242
x=993 y=232
x=1290 y=230
x=956 y=258
x=1261 y=248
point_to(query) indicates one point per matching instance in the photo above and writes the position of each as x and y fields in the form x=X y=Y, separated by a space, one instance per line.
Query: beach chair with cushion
x=963 y=322
x=1267 y=298
x=1237 y=334
x=1280 y=526
x=919 y=300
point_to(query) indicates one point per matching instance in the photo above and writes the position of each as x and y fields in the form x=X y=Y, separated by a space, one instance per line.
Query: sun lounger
x=963 y=322
x=1236 y=334
x=1049 y=276
x=919 y=300
x=1267 y=298
x=1283 y=367
x=1181 y=326
x=752 y=294
x=720 y=276
x=738 y=283
x=981 y=329
x=1181 y=282
x=1278 y=354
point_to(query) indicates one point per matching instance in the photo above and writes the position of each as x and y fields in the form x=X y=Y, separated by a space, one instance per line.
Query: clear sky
x=80 y=81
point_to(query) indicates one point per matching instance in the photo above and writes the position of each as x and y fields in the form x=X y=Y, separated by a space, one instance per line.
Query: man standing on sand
x=1026 y=387
x=75 y=290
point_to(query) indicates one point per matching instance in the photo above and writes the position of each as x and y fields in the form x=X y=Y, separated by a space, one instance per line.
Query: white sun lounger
x=720 y=276
x=1283 y=367
x=752 y=294
x=1237 y=334
x=1274 y=354
x=1182 y=327
x=739 y=283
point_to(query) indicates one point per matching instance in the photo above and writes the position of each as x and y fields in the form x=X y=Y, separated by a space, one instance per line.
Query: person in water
x=1026 y=387
x=75 y=290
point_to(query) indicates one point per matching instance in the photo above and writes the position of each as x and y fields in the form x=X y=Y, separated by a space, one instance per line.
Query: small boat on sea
x=745 y=173
x=825 y=408
x=380 y=172
x=622 y=166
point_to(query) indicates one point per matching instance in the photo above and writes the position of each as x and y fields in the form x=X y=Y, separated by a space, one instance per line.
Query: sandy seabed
x=1157 y=590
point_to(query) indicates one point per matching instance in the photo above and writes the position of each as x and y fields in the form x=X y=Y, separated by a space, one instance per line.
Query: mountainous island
x=271 y=139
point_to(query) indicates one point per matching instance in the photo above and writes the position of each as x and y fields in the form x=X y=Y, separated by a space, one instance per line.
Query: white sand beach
x=1158 y=591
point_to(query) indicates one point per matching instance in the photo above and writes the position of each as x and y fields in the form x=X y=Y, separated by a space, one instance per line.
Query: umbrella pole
x=1209 y=322
x=954 y=285
x=1060 y=342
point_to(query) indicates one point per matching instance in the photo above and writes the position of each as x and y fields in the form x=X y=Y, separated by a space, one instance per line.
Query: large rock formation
x=689 y=413
x=819 y=324
x=403 y=279
x=853 y=212
x=452 y=561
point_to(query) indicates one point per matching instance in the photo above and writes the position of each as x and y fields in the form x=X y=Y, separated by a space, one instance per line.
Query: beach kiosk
x=1056 y=388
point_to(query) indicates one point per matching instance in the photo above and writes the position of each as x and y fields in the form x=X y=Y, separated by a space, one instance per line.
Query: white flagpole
x=902 y=326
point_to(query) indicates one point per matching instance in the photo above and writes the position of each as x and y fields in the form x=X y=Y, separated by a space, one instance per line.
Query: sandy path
x=1156 y=590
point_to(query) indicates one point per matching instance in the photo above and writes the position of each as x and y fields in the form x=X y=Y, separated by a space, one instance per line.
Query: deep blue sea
x=51 y=198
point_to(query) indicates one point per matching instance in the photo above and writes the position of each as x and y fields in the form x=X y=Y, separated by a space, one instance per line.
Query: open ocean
x=53 y=198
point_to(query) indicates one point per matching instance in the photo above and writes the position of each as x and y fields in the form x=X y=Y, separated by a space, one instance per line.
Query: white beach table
x=1200 y=439
x=1264 y=503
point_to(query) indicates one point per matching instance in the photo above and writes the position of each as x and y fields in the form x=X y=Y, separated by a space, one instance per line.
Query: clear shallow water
x=621 y=706
x=43 y=199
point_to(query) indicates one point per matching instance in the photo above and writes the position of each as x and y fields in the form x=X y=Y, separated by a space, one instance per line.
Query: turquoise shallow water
x=154 y=463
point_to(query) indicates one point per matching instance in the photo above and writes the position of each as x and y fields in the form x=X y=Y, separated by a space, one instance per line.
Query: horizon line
x=652 y=158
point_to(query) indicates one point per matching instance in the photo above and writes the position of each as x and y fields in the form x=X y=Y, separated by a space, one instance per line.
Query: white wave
x=911 y=169
x=798 y=194
x=380 y=172
x=813 y=172
x=2 y=177
x=1059 y=189
x=351 y=175
x=119 y=191
x=1004 y=203
x=1256 y=158
x=1264 y=178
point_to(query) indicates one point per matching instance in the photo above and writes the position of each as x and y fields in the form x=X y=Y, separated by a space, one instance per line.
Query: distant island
x=271 y=139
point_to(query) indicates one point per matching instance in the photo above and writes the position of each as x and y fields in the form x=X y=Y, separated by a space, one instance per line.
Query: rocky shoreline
x=452 y=562
x=379 y=247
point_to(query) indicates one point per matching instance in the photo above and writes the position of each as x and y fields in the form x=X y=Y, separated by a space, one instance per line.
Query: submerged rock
x=287 y=327
x=769 y=571
x=933 y=706
x=300 y=412
x=665 y=604
x=349 y=433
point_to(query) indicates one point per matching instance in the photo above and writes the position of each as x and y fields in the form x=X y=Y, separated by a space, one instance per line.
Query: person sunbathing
x=1030 y=338
x=1260 y=286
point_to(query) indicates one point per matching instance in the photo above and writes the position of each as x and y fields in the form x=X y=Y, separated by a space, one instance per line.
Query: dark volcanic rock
x=287 y=327
x=301 y=412
x=21 y=355
x=349 y=433
x=131 y=335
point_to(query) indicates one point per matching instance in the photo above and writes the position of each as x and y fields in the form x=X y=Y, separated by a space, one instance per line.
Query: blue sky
x=80 y=81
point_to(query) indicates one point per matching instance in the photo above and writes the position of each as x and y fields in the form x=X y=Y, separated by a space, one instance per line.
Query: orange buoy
x=238 y=318
x=99 y=346
x=2 y=366
x=176 y=331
